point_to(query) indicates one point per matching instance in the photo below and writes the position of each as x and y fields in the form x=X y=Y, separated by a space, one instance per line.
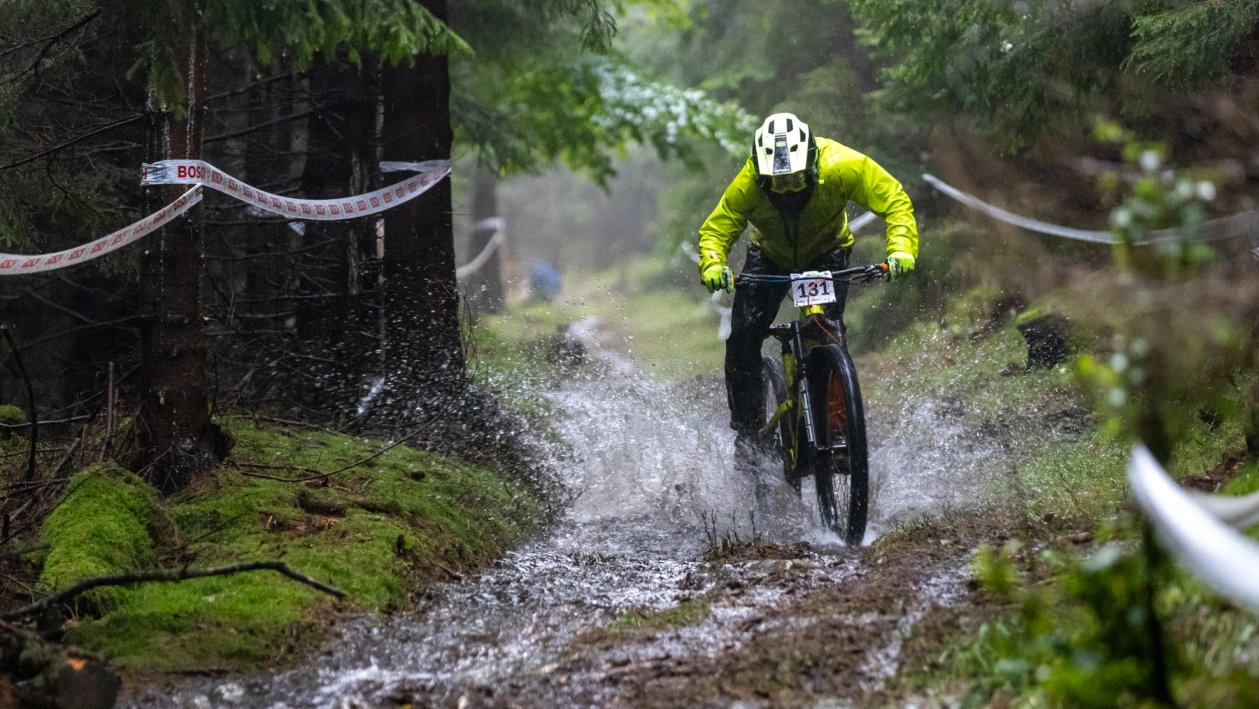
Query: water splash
x=923 y=461
x=644 y=461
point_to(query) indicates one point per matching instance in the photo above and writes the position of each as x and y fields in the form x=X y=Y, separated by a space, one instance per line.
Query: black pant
x=755 y=306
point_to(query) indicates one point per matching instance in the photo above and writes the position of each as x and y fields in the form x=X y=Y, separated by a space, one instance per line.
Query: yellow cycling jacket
x=843 y=174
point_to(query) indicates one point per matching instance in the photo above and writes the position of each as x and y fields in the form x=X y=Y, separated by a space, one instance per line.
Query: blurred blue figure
x=544 y=281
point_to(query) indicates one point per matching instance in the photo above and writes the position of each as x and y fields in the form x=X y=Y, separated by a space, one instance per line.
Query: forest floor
x=654 y=591
x=377 y=522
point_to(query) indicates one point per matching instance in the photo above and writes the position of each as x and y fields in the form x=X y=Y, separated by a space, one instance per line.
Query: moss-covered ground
x=377 y=531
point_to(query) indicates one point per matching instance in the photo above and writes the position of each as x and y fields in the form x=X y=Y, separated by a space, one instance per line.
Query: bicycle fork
x=802 y=377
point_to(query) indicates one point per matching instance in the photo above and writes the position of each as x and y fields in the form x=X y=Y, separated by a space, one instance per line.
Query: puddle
x=645 y=462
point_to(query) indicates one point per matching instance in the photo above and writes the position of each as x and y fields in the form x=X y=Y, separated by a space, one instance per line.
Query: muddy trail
x=629 y=602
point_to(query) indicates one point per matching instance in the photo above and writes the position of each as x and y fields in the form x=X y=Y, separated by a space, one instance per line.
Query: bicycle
x=813 y=401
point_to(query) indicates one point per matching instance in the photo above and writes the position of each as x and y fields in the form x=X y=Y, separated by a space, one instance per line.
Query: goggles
x=793 y=182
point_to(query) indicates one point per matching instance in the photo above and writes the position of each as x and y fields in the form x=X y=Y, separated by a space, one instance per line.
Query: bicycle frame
x=797 y=338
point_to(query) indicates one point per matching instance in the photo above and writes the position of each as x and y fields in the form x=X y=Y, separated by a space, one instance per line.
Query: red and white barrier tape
x=18 y=264
x=194 y=172
x=202 y=174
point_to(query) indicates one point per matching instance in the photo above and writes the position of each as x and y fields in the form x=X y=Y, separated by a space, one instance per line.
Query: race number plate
x=812 y=288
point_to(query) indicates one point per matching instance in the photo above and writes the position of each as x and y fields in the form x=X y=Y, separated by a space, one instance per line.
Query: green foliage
x=1027 y=71
x=1086 y=631
x=670 y=334
x=101 y=527
x=394 y=29
x=1190 y=43
x=12 y=415
x=1245 y=482
x=952 y=287
x=1152 y=386
x=1020 y=70
x=1084 y=641
x=1083 y=478
x=403 y=515
x=1161 y=201
x=504 y=33
x=578 y=108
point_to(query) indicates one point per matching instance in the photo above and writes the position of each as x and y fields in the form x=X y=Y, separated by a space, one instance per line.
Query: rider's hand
x=899 y=264
x=718 y=278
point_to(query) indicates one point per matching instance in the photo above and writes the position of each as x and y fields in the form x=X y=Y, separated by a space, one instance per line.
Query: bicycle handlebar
x=859 y=274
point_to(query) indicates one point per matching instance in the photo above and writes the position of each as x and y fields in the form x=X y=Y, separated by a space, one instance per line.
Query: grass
x=11 y=415
x=670 y=334
x=378 y=531
x=692 y=611
x=1080 y=479
x=1078 y=476
x=1246 y=481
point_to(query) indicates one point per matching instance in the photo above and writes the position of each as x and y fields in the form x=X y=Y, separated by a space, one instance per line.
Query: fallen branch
x=271 y=467
x=167 y=576
x=289 y=422
x=74 y=447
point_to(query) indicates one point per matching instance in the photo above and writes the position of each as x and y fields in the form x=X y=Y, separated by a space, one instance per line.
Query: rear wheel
x=841 y=466
x=784 y=441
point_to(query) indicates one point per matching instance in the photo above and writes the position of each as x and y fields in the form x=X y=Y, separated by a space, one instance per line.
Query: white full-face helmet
x=785 y=153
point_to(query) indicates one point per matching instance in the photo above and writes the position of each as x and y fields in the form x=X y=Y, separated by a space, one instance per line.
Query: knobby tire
x=784 y=438
x=842 y=480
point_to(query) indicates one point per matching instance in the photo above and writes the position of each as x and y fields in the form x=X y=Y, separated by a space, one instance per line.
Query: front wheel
x=783 y=440
x=842 y=465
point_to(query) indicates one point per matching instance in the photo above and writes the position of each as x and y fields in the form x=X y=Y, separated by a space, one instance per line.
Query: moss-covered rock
x=11 y=415
x=378 y=531
x=101 y=527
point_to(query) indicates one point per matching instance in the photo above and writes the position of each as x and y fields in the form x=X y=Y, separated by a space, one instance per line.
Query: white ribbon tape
x=499 y=225
x=1097 y=237
x=1243 y=224
x=1223 y=558
x=195 y=172
x=1237 y=512
x=855 y=225
x=18 y=264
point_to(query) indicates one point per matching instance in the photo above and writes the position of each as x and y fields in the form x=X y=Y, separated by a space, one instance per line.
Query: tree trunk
x=485 y=287
x=423 y=349
x=342 y=161
x=174 y=427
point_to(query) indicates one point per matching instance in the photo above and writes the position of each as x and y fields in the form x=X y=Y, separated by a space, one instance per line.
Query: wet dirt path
x=800 y=620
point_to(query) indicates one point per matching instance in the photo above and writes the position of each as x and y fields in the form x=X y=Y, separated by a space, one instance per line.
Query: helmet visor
x=793 y=182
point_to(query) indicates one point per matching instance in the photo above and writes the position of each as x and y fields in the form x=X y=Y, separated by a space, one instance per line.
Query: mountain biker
x=793 y=190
